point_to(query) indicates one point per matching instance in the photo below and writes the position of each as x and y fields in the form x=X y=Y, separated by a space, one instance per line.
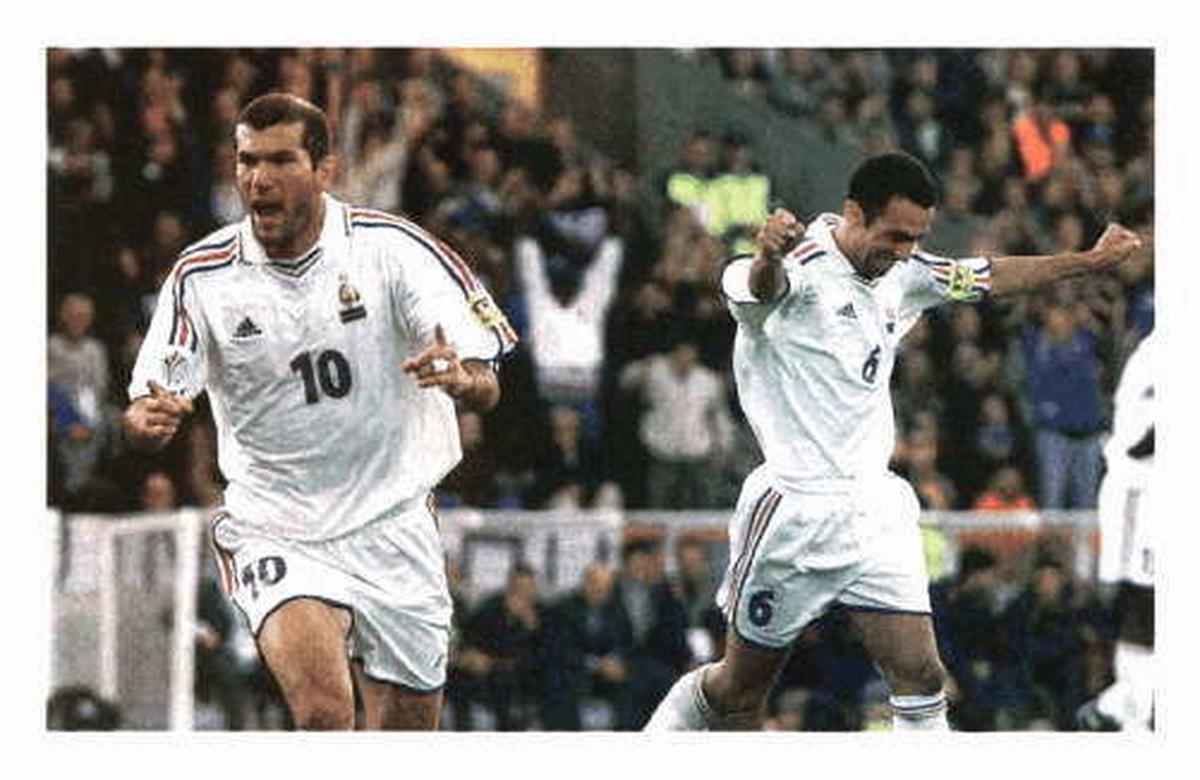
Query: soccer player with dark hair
x=822 y=523
x=334 y=342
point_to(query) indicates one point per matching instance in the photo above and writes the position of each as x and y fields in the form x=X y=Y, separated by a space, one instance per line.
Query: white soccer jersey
x=1127 y=509
x=320 y=431
x=1130 y=448
x=813 y=367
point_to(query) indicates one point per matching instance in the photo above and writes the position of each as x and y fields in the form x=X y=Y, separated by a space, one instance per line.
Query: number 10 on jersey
x=329 y=374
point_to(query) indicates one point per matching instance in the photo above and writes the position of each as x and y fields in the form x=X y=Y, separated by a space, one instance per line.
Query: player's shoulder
x=385 y=229
x=816 y=244
x=211 y=255
x=402 y=241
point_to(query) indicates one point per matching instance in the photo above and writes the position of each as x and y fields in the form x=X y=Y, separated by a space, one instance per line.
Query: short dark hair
x=279 y=108
x=895 y=174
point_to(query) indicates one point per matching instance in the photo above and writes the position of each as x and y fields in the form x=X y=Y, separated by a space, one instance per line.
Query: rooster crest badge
x=350 y=300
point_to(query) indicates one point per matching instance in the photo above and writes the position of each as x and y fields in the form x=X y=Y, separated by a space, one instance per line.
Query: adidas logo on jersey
x=847 y=311
x=246 y=329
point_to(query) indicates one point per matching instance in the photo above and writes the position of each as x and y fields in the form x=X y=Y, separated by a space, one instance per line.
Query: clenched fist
x=779 y=235
x=1116 y=244
x=151 y=421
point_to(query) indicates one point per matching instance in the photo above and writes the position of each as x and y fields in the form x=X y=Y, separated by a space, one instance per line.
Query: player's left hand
x=1113 y=246
x=439 y=366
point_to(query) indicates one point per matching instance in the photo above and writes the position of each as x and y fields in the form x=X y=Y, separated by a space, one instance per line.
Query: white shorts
x=390 y=574
x=795 y=554
x=1126 y=552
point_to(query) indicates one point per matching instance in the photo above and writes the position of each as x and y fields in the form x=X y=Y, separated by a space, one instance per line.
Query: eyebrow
x=902 y=236
x=282 y=155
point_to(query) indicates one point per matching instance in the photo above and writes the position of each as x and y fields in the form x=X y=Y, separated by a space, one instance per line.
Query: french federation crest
x=174 y=370
x=350 y=301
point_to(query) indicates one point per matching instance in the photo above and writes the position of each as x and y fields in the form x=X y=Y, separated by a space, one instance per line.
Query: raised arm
x=1015 y=274
x=778 y=236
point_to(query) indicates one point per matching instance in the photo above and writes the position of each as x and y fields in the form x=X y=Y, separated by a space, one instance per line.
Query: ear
x=853 y=213
x=327 y=171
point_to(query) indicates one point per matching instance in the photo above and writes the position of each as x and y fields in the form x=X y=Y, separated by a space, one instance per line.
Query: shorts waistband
x=828 y=485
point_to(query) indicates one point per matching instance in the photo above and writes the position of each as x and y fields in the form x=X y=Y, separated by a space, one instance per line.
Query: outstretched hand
x=1114 y=245
x=439 y=366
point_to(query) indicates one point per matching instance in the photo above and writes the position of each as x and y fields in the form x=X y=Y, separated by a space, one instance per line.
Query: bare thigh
x=304 y=646
x=390 y=707
x=904 y=647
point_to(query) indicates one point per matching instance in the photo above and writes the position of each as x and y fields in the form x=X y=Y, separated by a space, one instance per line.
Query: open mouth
x=266 y=209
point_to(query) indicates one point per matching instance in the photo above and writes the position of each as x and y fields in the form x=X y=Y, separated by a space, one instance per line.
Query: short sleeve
x=735 y=286
x=435 y=286
x=173 y=352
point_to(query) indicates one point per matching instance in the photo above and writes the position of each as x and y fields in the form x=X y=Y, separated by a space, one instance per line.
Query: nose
x=260 y=180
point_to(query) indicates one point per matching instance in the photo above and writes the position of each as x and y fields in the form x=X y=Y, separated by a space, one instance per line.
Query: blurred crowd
x=621 y=392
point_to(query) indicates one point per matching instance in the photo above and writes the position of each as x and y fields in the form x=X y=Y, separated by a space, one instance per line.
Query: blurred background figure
x=685 y=426
x=501 y=656
x=1063 y=383
x=77 y=369
x=659 y=650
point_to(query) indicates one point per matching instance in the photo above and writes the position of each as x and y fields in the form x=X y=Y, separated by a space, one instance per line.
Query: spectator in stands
x=921 y=133
x=567 y=468
x=997 y=437
x=746 y=72
x=685 y=426
x=934 y=489
x=473 y=481
x=741 y=195
x=1047 y=622
x=696 y=587
x=795 y=87
x=690 y=183
x=1005 y=492
x=224 y=205
x=77 y=363
x=594 y=639
x=1062 y=378
x=954 y=224
x=1043 y=139
x=568 y=279
x=978 y=652
x=374 y=143
x=659 y=650
x=916 y=389
x=502 y=652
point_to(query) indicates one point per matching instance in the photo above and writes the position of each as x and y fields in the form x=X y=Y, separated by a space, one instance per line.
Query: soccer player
x=334 y=343
x=820 y=312
x=1126 y=515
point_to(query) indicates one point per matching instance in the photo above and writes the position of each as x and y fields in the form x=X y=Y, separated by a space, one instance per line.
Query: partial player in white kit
x=334 y=342
x=1127 y=513
x=823 y=522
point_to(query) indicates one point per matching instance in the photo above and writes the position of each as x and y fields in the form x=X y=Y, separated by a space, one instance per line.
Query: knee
x=321 y=711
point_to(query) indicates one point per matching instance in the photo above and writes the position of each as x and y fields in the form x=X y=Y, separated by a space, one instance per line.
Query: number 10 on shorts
x=263 y=573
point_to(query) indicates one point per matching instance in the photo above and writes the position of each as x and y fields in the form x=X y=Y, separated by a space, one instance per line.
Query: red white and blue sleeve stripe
x=193 y=262
x=447 y=258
